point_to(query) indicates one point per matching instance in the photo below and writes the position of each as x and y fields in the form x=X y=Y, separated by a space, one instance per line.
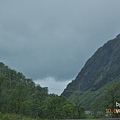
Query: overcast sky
x=50 y=40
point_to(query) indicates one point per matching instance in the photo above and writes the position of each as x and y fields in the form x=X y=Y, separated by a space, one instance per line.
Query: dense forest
x=20 y=96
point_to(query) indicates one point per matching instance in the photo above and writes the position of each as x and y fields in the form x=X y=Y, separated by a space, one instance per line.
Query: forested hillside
x=21 y=96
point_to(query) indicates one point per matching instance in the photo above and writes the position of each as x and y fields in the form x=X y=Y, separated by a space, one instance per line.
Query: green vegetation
x=107 y=100
x=21 y=98
x=14 y=117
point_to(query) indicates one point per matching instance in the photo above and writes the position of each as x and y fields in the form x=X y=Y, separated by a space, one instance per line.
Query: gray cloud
x=43 y=38
x=53 y=85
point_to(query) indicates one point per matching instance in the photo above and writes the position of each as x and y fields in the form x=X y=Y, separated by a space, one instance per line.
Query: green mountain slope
x=100 y=72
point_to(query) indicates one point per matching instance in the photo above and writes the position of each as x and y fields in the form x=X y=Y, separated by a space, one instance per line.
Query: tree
x=111 y=96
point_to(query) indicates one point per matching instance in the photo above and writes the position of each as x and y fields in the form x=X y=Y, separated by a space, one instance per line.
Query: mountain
x=99 y=73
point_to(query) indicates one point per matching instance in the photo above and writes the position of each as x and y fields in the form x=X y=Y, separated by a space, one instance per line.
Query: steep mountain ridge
x=101 y=69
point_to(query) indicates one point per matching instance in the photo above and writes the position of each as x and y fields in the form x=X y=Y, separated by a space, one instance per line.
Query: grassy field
x=14 y=117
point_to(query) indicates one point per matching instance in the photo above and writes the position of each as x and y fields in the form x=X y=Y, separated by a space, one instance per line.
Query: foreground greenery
x=20 y=97
x=107 y=100
x=14 y=117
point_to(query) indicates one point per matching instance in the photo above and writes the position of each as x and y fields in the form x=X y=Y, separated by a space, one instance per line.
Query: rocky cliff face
x=102 y=68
